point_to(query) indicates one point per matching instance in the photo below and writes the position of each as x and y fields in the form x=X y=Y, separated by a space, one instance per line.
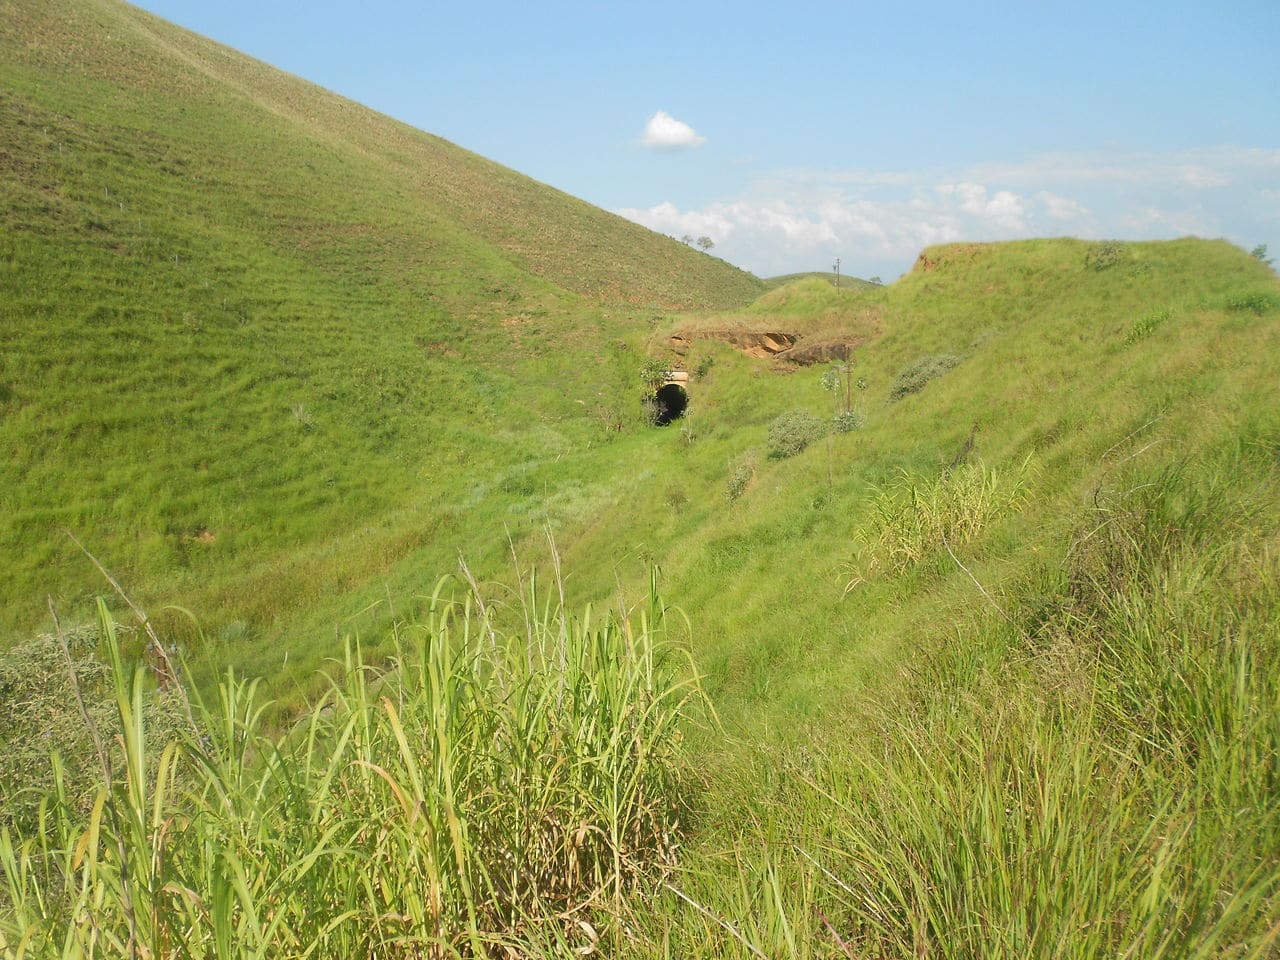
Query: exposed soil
x=753 y=344
x=821 y=351
x=942 y=256
x=787 y=347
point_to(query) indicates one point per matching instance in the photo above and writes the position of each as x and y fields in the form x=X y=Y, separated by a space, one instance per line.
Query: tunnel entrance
x=669 y=404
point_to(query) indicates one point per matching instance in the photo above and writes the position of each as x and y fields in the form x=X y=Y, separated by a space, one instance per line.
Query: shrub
x=847 y=421
x=1256 y=302
x=1104 y=255
x=914 y=378
x=653 y=371
x=792 y=432
x=740 y=473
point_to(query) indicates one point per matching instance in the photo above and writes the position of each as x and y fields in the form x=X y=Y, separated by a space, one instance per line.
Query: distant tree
x=1260 y=253
x=686 y=239
x=877 y=281
x=705 y=243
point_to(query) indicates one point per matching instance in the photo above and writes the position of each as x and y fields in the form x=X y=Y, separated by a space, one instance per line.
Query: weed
x=1146 y=324
x=676 y=498
x=486 y=785
x=914 y=378
x=848 y=420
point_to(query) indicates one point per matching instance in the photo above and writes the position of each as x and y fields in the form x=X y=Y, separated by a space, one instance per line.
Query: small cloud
x=1061 y=208
x=1202 y=177
x=665 y=132
x=1003 y=208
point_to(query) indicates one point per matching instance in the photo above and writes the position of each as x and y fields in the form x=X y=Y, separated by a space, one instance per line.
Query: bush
x=1104 y=255
x=1256 y=302
x=792 y=432
x=914 y=377
x=847 y=421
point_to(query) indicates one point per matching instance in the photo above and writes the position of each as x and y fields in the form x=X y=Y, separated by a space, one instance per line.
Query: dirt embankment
x=775 y=345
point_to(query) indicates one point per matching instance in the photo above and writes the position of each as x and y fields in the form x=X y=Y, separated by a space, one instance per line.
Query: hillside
x=960 y=640
x=249 y=324
x=993 y=652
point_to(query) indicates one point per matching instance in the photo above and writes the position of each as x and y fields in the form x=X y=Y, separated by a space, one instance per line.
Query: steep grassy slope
x=996 y=670
x=251 y=328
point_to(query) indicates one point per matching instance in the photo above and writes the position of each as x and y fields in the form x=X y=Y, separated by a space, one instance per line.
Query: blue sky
x=794 y=136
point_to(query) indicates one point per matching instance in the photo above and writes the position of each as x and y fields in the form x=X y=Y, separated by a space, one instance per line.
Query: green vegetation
x=918 y=517
x=1144 y=325
x=280 y=361
x=792 y=432
x=458 y=799
x=255 y=334
x=915 y=376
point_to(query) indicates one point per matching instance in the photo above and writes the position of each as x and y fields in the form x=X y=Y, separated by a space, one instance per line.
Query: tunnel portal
x=669 y=402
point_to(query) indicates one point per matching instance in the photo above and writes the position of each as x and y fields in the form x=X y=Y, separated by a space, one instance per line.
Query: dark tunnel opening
x=669 y=404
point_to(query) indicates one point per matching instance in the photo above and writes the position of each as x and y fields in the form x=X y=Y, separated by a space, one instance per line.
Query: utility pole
x=837 y=273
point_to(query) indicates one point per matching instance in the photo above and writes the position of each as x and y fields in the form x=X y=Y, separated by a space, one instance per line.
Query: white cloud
x=878 y=221
x=1060 y=208
x=1202 y=169
x=1004 y=209
x=665 y=132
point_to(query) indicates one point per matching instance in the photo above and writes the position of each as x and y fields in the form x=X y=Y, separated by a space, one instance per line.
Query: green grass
x=255 y=333
x=1044 y=725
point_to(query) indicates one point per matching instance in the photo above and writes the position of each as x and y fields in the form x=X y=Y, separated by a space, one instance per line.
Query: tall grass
x=489 y=788
x=1095 y=777
x=918 y=516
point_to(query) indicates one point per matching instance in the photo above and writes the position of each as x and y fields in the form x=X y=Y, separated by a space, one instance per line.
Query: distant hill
x=846 y=283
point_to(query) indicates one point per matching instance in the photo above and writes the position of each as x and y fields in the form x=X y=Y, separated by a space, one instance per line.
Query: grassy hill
x=984 y=620
x=846 y=283
x=250 y=325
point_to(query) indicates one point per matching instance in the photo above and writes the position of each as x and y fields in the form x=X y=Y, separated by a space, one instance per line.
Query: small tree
x=1260 y=253
x=687 y=239
x=705 y=243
